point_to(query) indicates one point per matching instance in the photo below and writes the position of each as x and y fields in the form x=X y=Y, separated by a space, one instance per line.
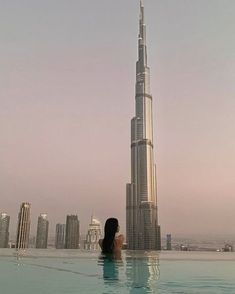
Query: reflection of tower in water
x=142 y=273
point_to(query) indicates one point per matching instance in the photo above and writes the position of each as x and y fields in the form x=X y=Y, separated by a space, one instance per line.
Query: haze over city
x=67 y=97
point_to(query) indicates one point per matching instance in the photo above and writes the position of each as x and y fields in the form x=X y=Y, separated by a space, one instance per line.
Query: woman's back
x=116 y=246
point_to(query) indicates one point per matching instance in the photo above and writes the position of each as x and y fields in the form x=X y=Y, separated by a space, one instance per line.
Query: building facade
x=143 y=231
x=42 y=231
x=60 y=236
x=93 y=235
x=168 y=242
x=23 y=228
x=4 y=230
x=72 y=232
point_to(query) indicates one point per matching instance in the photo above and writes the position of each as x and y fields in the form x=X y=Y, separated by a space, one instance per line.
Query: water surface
x=75 y=271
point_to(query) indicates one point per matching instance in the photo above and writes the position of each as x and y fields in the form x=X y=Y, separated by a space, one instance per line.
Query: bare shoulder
x=120 y=238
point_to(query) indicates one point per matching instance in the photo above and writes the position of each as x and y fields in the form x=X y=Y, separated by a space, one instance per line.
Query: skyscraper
x=93 y=235
x=168 y=242
x=143 y=231
x=22 y=239
x=60 y=236
x=72 y=232
x=4 y=230
x=42 y=231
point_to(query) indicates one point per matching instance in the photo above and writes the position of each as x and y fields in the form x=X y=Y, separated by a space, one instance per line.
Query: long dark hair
x=110 y=229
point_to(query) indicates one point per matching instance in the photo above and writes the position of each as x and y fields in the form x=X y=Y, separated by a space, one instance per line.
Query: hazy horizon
x=67 y=81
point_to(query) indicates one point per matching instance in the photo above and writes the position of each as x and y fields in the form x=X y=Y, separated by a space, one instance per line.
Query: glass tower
x=22 y=239
x=60 y=236
x=72 y=232
x=42 y=231
x=4 y=230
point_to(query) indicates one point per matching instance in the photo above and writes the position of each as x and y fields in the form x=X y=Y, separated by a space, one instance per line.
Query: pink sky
x=67 y=98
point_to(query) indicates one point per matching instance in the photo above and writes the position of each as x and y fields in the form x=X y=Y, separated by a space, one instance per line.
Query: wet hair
x=110 y=229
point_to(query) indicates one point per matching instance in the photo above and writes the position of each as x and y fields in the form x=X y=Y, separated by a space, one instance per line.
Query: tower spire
x=141 y=33
x=142 y=40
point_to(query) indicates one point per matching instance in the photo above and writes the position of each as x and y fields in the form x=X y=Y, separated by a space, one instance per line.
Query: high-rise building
x=4 y=230
x=93 y=235
x=168 y=242
x=42 y=231
x=22 y=239
x=72 y=232
x=60 y=236
x=143 y=231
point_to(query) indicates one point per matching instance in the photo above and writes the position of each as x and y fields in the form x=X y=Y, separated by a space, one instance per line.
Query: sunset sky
x=67 y=76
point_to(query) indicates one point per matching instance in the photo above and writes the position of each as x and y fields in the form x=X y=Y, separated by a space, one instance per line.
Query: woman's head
x=111 y=226
x=110 y=229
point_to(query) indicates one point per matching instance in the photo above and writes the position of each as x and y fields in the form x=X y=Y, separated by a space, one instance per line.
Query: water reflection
x=142 y=273
x=110 y=264
x=135 y=273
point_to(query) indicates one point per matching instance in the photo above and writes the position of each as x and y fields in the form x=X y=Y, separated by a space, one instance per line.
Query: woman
x=111 y=242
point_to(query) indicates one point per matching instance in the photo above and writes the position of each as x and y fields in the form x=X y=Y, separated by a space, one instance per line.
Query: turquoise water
x=73 y=272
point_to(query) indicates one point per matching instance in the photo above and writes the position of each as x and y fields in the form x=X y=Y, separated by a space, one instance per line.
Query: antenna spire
x=141 y=11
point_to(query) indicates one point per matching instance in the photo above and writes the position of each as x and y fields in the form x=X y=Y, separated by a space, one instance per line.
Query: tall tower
x=143 y=231
x=22 y=239
x=4 y=230
x=60 y=236
x=93 y=235
x=72 y=232
x=168 y=242
x=42 y=231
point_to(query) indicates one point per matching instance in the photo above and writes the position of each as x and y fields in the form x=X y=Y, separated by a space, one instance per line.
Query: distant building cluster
x=228 y=248
x=67 y=236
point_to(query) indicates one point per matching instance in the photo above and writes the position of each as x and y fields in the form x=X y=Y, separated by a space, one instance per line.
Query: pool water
x=70 y=272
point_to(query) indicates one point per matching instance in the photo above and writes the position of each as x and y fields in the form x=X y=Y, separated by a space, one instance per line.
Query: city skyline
x=62 y=70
